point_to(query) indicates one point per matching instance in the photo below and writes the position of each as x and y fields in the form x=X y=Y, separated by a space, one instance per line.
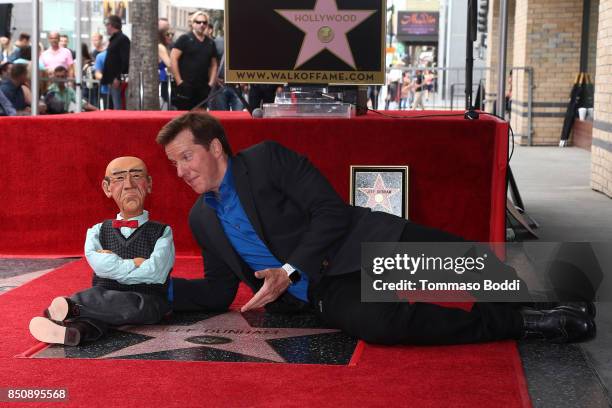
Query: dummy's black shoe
x=582 y=307
x=48 y=331
x=558 y=325
x=62 y=308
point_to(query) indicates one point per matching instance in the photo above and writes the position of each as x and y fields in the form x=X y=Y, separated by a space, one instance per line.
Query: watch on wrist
x=292 y=273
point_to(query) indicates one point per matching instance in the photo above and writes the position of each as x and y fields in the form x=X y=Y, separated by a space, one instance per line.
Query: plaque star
x=379 y=194
x=239 y=336
x=325 y=27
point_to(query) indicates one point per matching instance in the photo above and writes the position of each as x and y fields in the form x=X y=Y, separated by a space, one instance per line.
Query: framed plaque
x=381 y=188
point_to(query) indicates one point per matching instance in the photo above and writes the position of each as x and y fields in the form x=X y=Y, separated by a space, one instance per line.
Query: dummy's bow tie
x=124 y=223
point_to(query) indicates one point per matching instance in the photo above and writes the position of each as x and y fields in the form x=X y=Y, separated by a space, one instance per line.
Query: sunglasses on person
x=200 y=22
x=169 y=34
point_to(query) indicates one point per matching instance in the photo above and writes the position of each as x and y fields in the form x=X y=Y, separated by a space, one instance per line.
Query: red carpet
x=459 y=376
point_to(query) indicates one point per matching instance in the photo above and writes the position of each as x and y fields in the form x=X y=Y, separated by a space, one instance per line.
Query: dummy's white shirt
x=111 y=266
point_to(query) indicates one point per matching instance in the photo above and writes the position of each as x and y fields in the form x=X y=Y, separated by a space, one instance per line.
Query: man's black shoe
x=558 y=325
x=582 y=307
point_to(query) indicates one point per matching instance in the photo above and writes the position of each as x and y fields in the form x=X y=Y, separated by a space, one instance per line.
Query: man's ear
x=149 y=184
x=106 y=188
x=217 y=148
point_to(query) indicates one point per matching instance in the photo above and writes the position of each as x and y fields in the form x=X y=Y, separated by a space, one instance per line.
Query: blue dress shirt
x=242 y=235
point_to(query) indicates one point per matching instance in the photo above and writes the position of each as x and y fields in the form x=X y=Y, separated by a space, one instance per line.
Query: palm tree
x=143 y=55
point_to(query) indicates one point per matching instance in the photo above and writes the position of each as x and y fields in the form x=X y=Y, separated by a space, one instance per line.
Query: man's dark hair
x=114 y=21
x=24 y=37
x=5 y=66
x=63 y=36
x=19 y=70
x=60 y=68
x=205 y=129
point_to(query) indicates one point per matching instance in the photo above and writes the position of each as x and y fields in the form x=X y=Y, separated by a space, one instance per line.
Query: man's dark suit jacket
x=295 y=212
x=117 y=58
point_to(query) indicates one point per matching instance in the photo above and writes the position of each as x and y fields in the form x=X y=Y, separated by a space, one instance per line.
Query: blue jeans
x=226 y=100
x=115 y=94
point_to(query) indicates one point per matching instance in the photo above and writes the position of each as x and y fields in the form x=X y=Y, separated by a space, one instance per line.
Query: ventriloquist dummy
x=131 y=257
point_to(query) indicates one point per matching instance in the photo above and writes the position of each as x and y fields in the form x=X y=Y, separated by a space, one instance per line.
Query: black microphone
x=257 y=113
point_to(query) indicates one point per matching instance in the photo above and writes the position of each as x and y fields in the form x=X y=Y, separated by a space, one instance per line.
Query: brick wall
x=601 y=151
x=548 y=32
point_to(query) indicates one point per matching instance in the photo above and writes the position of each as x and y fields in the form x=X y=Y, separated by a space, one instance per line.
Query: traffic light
x=483 y=11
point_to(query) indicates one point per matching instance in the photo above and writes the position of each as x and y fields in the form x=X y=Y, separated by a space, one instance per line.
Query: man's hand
x=104 y=251
x=276 y=282
x=116 y=83
x=139 y=261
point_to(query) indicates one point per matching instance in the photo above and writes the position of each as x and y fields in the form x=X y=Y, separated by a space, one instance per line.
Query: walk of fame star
x=229 y=331
x=379 y=194
x=232 y=337
x=326 y=27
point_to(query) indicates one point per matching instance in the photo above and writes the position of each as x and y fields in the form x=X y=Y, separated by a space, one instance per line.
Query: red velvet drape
x=52 y=168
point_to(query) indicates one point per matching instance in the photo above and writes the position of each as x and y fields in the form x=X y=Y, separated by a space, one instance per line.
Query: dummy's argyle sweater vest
x=139 y=245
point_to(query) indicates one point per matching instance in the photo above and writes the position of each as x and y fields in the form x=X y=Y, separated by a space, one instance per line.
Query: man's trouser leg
x=200 y=93
x=115 y=94
x=337 y=301
x=417 y=323
x=234 y=101
x=219 y=102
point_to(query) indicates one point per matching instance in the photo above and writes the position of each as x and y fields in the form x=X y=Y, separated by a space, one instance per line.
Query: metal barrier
x=446 y=86
x=478 y=88
x=90 y=88
x=445 y=82
x=530 y=87
x=449 y=85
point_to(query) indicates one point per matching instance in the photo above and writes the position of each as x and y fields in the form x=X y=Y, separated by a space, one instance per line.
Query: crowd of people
x=410 y=89
x=104 y=69
x=191 y=71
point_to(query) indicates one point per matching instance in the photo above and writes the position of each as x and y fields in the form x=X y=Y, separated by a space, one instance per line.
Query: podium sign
x=305 y=41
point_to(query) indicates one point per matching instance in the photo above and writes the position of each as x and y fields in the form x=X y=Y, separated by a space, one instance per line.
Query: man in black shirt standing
x=194 y=64
x=117 y=60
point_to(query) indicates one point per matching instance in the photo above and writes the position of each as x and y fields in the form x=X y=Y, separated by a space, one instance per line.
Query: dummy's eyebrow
x=117 y=172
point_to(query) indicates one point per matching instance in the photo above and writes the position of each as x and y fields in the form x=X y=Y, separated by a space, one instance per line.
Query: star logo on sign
x=379 y=194
x=325 y=27
x=228 y=331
